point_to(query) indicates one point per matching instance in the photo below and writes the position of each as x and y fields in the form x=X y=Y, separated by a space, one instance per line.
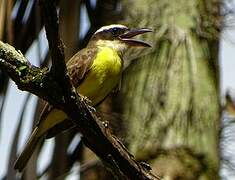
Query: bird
x=94 y=71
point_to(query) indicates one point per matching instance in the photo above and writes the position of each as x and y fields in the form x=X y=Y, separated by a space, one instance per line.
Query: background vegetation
x=168 y=112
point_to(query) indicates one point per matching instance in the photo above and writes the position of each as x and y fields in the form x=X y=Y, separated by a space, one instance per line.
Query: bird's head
x=118 y=37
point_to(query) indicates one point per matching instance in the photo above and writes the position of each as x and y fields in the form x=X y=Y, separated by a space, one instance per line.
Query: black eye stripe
x=115 y=31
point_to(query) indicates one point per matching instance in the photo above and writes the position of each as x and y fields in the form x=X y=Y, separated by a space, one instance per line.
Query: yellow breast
x=103 y=77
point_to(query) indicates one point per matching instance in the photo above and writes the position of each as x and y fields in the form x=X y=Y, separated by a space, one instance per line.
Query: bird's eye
x=115 y=31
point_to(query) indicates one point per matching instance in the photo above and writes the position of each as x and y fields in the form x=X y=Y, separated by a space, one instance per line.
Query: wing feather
x=79 y=65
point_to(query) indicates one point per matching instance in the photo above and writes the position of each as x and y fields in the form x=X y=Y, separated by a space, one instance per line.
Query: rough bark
x=170 y=98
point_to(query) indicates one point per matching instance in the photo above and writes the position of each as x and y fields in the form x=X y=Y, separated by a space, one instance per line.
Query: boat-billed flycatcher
x=94 y=71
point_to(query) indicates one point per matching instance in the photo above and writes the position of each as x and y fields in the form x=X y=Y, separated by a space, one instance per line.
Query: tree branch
x=62 y=95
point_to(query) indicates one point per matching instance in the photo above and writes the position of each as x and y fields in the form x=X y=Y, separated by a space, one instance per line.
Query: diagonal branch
x=95 y=134
x=50 y=17
x=61 y=94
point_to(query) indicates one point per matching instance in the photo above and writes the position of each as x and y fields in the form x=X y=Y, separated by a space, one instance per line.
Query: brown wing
x=80 y=64
x=77 y=67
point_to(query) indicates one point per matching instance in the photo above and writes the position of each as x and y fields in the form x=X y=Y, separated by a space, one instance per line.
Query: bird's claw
x=86 y=100
x=92 y=109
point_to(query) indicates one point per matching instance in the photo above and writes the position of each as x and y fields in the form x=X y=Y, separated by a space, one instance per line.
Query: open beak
x=134 y=32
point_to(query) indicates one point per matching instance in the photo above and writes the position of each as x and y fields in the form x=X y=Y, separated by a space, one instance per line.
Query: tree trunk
x=170 y=98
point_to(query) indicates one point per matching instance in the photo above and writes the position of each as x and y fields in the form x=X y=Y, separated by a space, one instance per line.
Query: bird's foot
x=85 y=99
x=88 y=102
x=92 y=109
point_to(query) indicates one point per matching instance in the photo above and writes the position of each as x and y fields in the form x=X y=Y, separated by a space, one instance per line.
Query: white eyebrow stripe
x=110 y=27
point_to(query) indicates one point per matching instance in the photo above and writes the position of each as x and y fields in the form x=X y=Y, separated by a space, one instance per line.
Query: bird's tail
x=28 y=151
